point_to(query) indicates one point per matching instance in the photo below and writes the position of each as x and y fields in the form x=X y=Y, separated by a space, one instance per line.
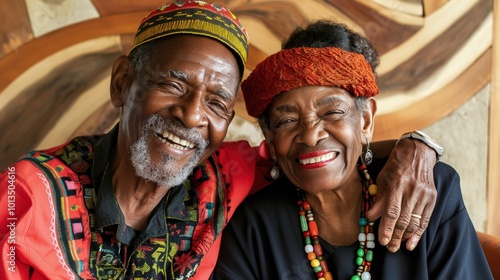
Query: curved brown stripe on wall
x=431 y=57
x=99 y=122
x=110 y=7
x=383 y=32
x=279 y=17
x=127 y=41
x=255 y=55
x=32 y=52
x=34 y=111
x=432 y=5
x=437 y=106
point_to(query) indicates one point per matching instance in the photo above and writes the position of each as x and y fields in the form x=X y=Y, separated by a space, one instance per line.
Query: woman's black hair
x=327 y=33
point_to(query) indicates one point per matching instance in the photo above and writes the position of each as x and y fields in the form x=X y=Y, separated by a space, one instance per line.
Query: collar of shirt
x=108 y=212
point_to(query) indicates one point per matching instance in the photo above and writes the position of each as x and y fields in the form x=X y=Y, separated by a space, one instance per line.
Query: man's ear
x=120 y=78
x=369 y=117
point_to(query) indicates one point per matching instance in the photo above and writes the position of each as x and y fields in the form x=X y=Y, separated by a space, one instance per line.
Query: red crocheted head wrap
x=298 y=67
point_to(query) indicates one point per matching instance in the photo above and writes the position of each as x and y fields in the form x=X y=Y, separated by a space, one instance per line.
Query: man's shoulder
x=68 y=152
x=73 y=156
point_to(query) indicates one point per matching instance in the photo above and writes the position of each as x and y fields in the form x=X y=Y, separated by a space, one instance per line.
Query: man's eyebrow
x=174 y=74
x=224 y=94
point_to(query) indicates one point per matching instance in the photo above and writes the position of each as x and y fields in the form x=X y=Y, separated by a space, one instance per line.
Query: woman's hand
x=406 y=194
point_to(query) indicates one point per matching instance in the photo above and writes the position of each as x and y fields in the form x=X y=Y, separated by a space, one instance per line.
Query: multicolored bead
x=366 y=236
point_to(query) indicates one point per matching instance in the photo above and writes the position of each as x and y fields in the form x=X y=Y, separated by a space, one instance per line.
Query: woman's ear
x=269 y=141
x=120 y=79
x=268 y=137
x=369 y=111
x=270 y=148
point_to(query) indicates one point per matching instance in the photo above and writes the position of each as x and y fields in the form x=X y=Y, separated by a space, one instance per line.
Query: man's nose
x=191 y=110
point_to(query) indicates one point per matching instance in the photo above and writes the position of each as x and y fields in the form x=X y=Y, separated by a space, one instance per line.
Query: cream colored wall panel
x=464 y=135
x=241 y=129
x=493 y=227
x=50 y=15
x=413 y=7
x=392 y=12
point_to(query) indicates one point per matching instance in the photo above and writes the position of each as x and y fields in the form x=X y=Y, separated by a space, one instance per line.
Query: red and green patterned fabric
x=48 y=219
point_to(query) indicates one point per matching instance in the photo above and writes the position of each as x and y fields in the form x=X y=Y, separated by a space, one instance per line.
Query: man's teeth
x=178 y=143
x=321 y=158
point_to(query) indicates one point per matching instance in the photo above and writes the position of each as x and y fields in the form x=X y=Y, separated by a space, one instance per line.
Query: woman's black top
x=264 y=241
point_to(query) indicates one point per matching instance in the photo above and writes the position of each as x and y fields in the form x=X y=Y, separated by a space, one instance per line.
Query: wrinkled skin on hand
x=405 y=186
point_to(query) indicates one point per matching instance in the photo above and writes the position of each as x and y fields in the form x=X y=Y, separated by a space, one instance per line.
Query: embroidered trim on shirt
x=52 y=227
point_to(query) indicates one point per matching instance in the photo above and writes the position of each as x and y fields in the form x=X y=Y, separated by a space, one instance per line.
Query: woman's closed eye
x=284 y=123
x=332 y=113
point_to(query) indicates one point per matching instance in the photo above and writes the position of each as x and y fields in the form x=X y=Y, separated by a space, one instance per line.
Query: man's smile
x=173 y=140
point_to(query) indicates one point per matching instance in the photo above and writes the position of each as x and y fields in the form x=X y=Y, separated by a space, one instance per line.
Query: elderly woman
x=314 y=100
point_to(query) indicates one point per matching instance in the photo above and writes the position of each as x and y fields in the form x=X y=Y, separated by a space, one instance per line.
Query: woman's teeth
x=321 y=158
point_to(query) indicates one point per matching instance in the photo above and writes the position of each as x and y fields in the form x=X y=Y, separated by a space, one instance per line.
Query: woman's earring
x=367 y=156
x=275 y=172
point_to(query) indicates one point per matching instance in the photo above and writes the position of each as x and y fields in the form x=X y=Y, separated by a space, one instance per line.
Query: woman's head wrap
x=298 y=67
x=197 y=18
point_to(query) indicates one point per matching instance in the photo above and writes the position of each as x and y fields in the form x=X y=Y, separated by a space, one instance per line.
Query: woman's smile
x=316 y=159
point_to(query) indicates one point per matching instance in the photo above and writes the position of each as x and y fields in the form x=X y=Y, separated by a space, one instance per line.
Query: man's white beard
x=167 y=173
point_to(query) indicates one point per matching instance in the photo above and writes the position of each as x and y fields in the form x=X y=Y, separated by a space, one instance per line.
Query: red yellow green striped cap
x=197 y=18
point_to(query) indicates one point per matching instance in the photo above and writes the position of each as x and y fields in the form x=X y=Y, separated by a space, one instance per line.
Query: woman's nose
x=311 y=133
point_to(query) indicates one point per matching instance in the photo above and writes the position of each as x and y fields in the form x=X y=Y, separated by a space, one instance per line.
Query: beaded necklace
x=366 y=237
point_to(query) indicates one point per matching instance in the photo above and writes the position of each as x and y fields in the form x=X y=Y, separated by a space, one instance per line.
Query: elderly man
x=150 y=198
